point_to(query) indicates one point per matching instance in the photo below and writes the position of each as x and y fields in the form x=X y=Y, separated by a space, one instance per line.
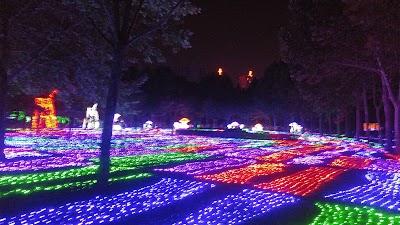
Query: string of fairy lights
x=245 y=174
x=344 y=214
x=238 y=208
x=383 y=191
x=110 y=208
x=196 y=168
x=304 y=182
x=273 y=174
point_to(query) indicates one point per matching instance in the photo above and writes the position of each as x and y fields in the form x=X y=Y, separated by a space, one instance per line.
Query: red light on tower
x=220 y=71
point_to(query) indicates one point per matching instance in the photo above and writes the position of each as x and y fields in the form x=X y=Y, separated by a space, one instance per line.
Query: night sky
x=237 y=35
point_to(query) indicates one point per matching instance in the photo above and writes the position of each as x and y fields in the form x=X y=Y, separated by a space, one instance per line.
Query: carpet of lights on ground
x=173 y=179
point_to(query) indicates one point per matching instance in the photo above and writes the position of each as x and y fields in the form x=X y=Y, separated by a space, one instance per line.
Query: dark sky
x=237 y=35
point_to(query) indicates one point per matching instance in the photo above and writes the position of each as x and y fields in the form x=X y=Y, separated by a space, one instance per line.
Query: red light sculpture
x=46 y=118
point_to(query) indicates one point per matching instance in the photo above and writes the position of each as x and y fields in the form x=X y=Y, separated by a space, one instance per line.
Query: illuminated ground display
x=160 y=178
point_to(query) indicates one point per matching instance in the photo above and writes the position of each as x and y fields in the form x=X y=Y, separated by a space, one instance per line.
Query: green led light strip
x=79 y=184
x=343 y=214
x=117 y=164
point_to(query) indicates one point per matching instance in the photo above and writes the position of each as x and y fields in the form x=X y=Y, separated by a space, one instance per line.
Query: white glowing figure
x=182 y=124
x=258 y=127
x=92 y=120
x=295 y=128
x=116 y=122
x=148 y=125
x=235 y=125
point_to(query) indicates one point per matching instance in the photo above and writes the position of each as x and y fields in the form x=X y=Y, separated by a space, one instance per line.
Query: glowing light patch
x=286 y=155
x=295 y=128
x=383 y=191
x=47 y=118
x=278 y=157
x=222 y=151
x=206 y=167
x=77 y=184
x=342 y=214
x=234 y=209
x=111 y=208
x=257 y=128
x=187 y=148
x=351 y=162
x=249 y=153
x=385 y=165
x=243 y=175
x=41 y=164
x=308 y=160
x=303 y=183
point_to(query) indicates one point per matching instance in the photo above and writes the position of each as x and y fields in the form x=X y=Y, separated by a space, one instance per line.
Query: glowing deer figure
x=46 y=118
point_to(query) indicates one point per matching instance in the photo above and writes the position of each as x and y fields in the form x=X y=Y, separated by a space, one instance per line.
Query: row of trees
x=76 y=41
x=344 y=52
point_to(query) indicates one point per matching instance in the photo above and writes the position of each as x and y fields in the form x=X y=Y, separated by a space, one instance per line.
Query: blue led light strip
x=238 y=208
x=110 y=208
x=383 y=191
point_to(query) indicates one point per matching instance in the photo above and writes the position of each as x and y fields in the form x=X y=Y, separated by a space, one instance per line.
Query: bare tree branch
x=102 y=34
x=30 y=62
x=367 y=68
x=36 y=56
x=156 y=26
x=125 y=21
x=22 y=9
x=117 y=22
x=385 y=79
x=109 y=19
x=135 y=17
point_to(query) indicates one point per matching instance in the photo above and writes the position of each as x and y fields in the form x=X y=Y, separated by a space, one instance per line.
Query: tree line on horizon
x=339 y=66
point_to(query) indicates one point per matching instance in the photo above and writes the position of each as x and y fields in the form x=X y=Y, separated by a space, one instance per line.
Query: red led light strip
x=286 y=155
x=243 y=175
x=188 y=149
x=352 y=162
x=304 y=182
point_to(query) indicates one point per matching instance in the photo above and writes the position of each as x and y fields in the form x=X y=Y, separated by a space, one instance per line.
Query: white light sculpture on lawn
x=258 y=127
x=295 y=128
x=92 y=120
x=182 y=124
x=235 y=125
x=148 y=125
x=117 y=122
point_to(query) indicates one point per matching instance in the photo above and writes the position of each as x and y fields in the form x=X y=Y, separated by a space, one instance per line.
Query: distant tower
x=220 y=71
x=245 y=80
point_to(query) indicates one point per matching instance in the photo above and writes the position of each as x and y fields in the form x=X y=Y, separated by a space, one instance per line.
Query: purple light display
x=111 y=208
x=41 y=164
x=383 y=191
x=238 y=208
x=205 y=167
x=385 y=165
x=308 y=160
x=250 y=153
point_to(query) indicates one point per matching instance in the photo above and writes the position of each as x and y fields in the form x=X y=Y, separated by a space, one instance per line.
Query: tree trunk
x=320 y=124
x=366 y=114
x=388 y=119
x=3 y=109
x=329 y=123
x=275 y=122
x=111 y=104
x=377 y=107
x=378 y=120
x=4 y=55
x=302 y=120
x=358 y=120
x=338 y=132
x=397 y=128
